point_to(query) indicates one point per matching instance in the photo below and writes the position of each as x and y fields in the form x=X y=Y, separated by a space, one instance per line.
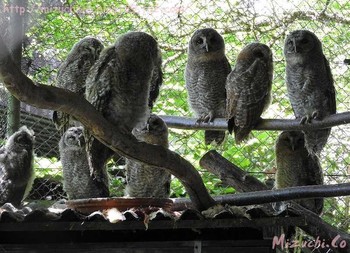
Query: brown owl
x=73 y=72
x=142 y=179
x=248 y=89
x=206 y=72
x=296 y=167
x=310 y=84
x=119 y=86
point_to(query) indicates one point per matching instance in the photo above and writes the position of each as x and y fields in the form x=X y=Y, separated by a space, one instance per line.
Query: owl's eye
x=199 y=41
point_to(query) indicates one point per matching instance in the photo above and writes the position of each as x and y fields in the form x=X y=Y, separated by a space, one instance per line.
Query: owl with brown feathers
x=72 y=75
x=248 y=89
x=16 y=167
x=144 y=180
x=296 y=167
x=77 y=181
x=123 y=84
x=206 y=72
x=309 y=84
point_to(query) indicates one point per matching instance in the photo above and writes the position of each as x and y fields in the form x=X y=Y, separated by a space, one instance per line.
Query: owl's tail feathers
x=241 y=134
x=316 y=140
x=214 y=136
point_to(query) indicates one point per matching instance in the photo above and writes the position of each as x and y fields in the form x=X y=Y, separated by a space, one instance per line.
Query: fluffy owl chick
x=144 y=180
x=118 y=85
x=77 y=181
x=296 y=167
x=248 y=89
x=206 y=72
x=73 y=72
x=310 y=84
x=16 y=167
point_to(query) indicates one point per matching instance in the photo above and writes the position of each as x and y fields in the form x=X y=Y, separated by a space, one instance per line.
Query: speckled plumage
x=16 y=167
x=73 y=72
x=296 y=167
x=248 y=89
x=144 y=180
x=310 y=84
x=118 y=85
x=206 y=72
x=77 y=181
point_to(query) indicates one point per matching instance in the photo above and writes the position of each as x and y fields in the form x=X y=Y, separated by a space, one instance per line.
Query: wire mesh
x=53 y=26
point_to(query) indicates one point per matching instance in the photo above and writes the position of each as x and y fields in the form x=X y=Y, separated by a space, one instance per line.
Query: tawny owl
x=144 y=180
x=248 y=89
x=296 y=167
x=16 y=167
x=118 y=85
x=73 y=72
x=206 y=72
x=310 y=84
x=77 y=181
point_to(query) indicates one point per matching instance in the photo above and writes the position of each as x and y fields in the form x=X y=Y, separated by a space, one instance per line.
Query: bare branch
x=53 y=98
x=265 y=124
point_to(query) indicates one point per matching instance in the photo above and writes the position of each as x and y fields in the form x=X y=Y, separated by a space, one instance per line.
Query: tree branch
x=315 y=225
x=265 y=124
x=54 y=98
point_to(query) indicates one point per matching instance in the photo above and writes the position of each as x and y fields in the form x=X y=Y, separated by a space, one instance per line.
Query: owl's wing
x=99 y=85
x=331 y=90
x=156 y=82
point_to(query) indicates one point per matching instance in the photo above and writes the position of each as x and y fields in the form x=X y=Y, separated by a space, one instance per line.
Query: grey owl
x=206 y=72
x=77 y=181
x=144 y=180
x=248 y=89
x=73 y=72
x=118 y=85
x=310 y=84
x=16 y=167
x=296 y=167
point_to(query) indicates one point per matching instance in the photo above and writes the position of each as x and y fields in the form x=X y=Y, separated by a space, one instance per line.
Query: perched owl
x=118 y=85
x=296 y=167
x=310 y=84
x=206 y=72
x=16 y=167
x=144 y=180
x=248 y=89
x=73 y=72
x=77 y=181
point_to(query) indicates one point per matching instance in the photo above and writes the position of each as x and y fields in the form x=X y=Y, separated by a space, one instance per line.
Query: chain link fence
x=53 y=26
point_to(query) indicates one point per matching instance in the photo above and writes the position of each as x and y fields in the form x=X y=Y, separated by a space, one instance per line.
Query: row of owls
x=242 y=94
x=294 y=166
x=122 y=82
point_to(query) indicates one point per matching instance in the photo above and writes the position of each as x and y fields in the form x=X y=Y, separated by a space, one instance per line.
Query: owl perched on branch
x=144 y=180
x=296 y=167
x=248 y=89
x=310 y=85
x=77 y=181
x=119 y=86
x=206 y=72
x=16 y=167
x=73 y=72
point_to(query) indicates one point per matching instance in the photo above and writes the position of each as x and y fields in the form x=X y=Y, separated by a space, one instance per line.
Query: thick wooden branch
x=230 y=174
x=53 y=98
x=218 y=165
x=265 y=124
